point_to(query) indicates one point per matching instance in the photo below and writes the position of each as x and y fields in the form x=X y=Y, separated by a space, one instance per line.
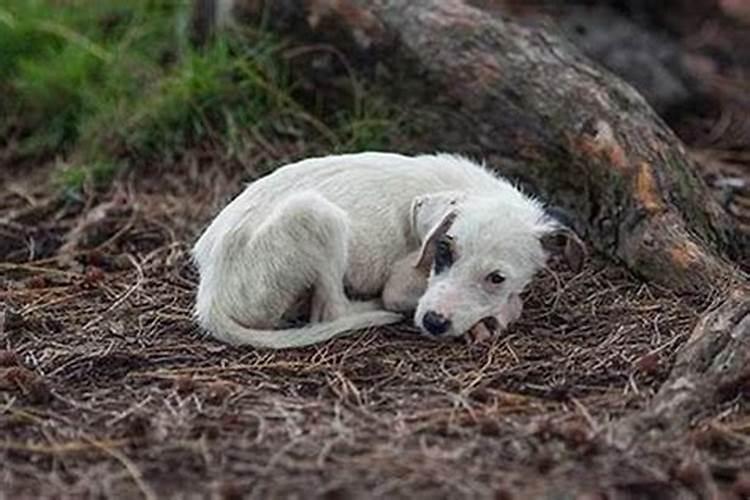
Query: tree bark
x=578 y=134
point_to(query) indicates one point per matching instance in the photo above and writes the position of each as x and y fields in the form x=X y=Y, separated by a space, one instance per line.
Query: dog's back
x=375 y=189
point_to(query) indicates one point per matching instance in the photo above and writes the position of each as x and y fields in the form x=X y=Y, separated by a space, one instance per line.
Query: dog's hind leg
x=329 y=300
x=305 y=247
x=260 y=274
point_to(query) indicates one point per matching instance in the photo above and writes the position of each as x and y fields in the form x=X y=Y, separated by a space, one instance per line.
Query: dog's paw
x=482 y=332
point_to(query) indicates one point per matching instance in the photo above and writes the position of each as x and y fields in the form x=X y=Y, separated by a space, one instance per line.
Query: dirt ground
x=107 y=389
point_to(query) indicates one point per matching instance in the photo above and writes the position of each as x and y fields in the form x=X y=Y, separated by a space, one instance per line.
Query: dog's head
x=481 y=252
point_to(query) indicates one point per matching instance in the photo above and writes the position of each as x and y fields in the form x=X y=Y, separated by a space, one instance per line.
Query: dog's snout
x=435 y=323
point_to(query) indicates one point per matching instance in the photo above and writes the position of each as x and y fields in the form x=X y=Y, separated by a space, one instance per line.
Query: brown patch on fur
x=646 y=190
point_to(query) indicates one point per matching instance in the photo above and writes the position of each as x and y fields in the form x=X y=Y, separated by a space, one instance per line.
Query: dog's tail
x=231 y=331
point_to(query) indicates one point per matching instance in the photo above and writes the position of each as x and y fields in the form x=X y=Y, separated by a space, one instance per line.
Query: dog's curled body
x=334 y=227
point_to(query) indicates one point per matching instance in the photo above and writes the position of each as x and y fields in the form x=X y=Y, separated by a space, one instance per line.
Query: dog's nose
x=435 y=323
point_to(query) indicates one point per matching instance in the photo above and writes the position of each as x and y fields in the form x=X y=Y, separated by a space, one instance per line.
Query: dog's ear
x=431 y=217
x=427 y=211
x=563 y=240
x=427 y=250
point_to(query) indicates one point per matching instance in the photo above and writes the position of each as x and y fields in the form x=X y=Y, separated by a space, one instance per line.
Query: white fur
x=314 y=226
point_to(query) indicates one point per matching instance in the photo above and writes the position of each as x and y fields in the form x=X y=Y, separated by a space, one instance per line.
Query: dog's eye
x=443 y=256
x=495 y=278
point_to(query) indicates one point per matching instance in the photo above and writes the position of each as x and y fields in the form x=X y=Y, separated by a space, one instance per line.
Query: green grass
x=106 y=84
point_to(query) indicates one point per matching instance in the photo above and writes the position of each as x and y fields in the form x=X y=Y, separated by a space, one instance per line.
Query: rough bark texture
x=583 y=137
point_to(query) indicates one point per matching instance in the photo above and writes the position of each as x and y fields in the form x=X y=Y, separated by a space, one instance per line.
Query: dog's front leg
x=479 y=333
x=405 y=286
x=490 y=328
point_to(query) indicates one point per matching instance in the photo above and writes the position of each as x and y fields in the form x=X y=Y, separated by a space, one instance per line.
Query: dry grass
x=107 y=388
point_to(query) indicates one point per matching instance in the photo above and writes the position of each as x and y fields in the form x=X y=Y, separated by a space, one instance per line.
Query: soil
x=107 y=388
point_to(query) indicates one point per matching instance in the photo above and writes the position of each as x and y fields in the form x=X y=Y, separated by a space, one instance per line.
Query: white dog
x=353 y=241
